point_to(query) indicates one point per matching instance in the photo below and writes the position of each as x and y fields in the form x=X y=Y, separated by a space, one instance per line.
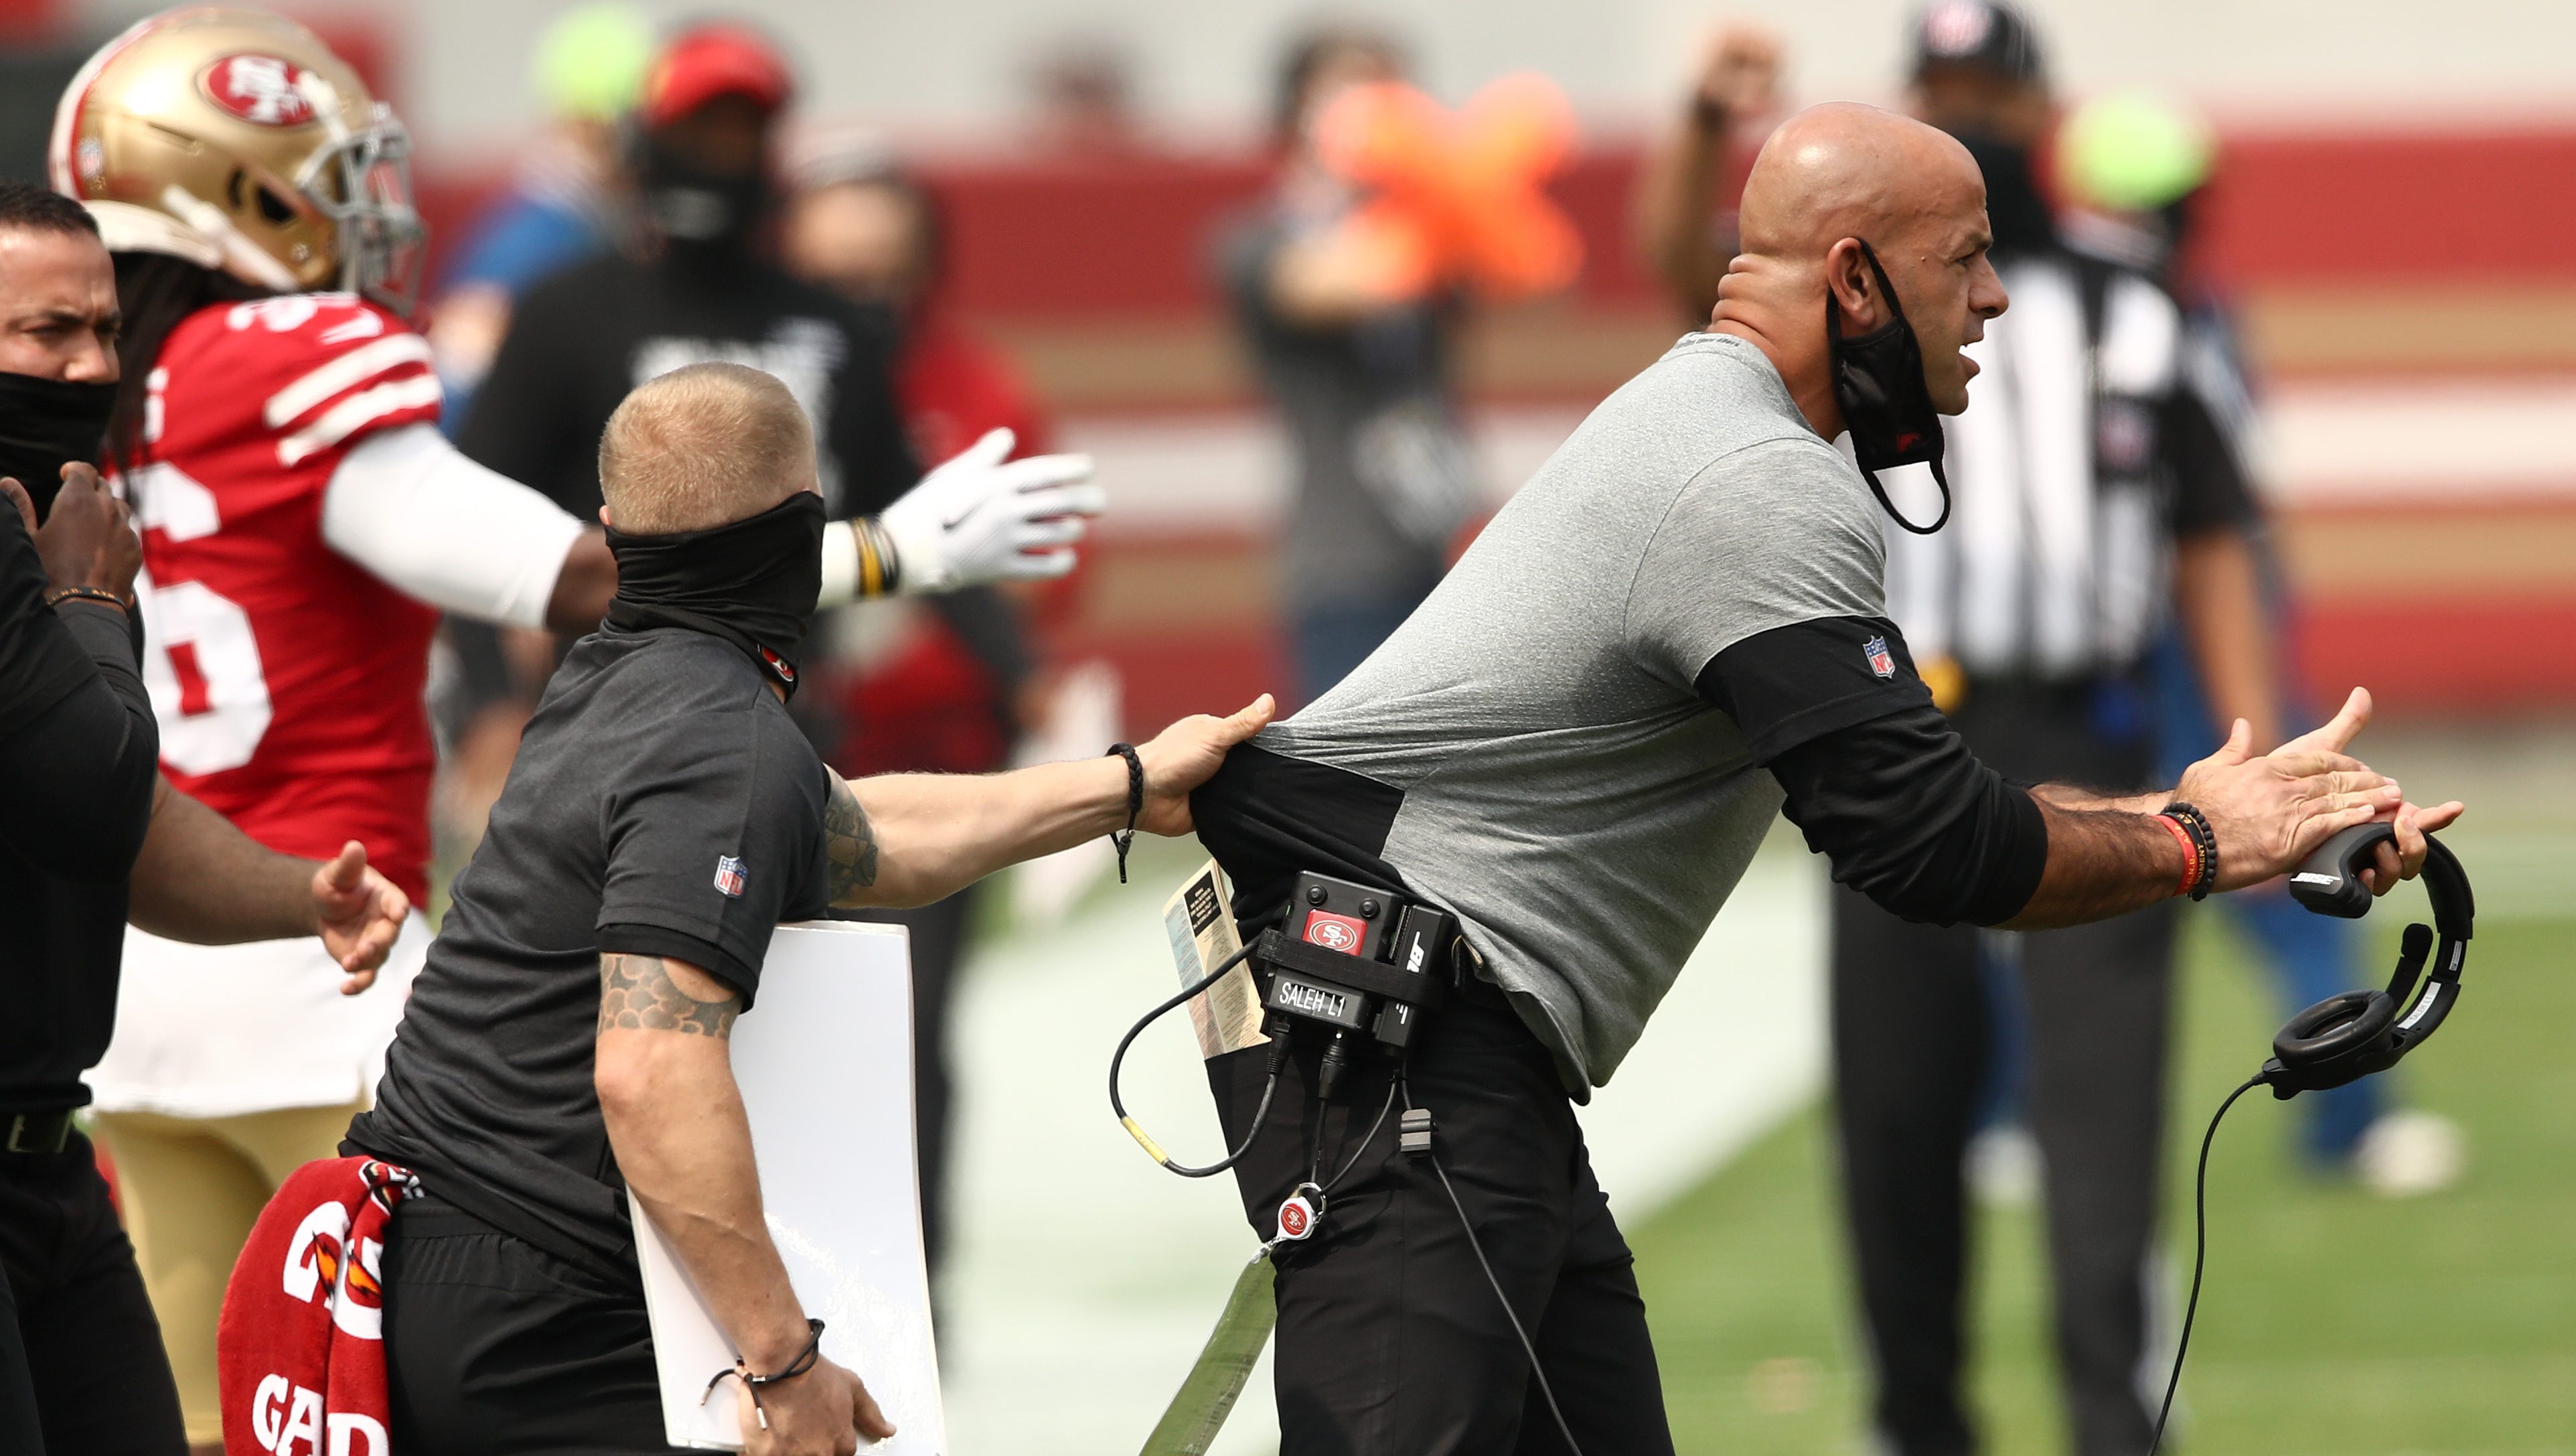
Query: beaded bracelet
x=2204 y=841
x=63 y=594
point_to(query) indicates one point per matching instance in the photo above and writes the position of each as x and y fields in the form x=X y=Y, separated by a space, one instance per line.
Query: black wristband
x=803 y=1362
x=1121 y=838
x=2196 y=824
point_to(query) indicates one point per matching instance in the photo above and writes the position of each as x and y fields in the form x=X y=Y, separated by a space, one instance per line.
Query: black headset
x=2344 y=1038
x=2350 y=1036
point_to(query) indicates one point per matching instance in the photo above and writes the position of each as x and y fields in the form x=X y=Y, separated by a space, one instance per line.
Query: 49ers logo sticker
x=262 y=90
x=1335 y=932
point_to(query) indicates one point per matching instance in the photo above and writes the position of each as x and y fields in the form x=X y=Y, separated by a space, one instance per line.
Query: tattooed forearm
x=849 y=844
x=636 y=994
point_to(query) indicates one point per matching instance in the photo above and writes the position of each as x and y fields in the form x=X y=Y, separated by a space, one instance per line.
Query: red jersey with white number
x=287 y=678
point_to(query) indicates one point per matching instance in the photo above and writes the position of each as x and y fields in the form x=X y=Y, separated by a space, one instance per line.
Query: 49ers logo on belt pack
x=1335 y=932
x=262 y=90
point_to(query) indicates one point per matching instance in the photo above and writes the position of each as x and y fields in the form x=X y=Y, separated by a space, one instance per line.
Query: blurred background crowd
x=1318 y=289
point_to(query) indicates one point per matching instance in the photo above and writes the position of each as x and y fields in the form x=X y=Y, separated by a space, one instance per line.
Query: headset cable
x=2199 y=1257
x=1477 y=1246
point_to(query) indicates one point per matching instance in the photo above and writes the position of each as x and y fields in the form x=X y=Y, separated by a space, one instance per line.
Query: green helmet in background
x=2133 y=151
x=589 y=64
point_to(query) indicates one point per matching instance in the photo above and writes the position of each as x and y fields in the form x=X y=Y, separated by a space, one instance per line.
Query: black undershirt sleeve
x=1874 y=775
x=1911 y=819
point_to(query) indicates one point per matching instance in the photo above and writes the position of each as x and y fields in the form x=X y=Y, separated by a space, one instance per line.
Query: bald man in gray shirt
x=1677 y=629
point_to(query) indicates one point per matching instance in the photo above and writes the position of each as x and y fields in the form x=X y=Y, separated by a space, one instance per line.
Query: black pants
x=92 y=1348
x=1911 y=1022
x=1391 y=1342
x=938 y=945
x=494 y=1346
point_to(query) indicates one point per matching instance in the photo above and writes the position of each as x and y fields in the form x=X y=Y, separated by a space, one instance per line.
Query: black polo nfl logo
x=729 y=876
x=1875 y=649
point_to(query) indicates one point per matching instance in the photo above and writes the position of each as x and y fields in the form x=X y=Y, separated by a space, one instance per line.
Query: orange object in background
x=1455 y=200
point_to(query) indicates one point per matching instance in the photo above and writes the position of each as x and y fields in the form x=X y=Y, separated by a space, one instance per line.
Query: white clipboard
x=824 y=1060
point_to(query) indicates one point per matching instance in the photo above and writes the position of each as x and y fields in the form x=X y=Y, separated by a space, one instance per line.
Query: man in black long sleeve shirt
x=89 y=837
x=78 y=760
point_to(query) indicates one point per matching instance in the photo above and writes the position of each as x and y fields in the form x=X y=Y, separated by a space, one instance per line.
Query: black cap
x=1979 y=34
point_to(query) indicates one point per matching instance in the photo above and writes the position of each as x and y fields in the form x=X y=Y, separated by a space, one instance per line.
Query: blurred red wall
x=2380 y=253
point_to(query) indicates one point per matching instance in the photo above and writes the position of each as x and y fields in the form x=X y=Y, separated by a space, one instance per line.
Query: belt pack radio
x=1361 y=963
x=1357 y=959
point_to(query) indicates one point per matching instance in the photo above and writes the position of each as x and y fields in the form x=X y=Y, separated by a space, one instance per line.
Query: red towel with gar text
x=300 y=1352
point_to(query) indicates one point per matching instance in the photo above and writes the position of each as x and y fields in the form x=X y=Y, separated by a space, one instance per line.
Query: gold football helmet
x=237 y=140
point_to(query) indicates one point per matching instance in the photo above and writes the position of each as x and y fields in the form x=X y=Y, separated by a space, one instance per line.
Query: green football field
x=2333 y=1323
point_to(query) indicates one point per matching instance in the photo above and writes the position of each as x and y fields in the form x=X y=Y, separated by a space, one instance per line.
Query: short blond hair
x=701 y=446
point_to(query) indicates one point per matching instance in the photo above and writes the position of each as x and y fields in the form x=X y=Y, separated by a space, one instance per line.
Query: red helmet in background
x=719 y=58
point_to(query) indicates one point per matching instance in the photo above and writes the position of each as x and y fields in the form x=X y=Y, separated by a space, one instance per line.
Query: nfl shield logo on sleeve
x=729 y=875
x=1875 y=649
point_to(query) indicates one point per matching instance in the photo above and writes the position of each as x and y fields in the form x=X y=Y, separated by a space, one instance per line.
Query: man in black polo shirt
x=567 y=1040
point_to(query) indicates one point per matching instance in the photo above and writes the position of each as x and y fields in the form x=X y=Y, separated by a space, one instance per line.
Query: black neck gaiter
x=752 y=582
x=43 y=424
x=1878 y=381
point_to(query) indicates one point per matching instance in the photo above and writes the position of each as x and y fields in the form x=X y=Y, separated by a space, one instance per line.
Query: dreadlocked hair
x=156 y=292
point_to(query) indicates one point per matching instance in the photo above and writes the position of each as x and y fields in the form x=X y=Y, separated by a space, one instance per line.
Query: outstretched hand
x=980 y=516
x=1186 y=755
x=2270 y=813
x=359 y=914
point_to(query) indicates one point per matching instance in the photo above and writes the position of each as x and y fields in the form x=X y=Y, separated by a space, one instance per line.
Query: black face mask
x=697 y=210
x=2015 y=207
x=45 y=422
x=752 y=583
x=1878 y=381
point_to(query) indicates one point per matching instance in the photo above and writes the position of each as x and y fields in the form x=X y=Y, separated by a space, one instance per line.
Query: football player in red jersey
x=304 y=522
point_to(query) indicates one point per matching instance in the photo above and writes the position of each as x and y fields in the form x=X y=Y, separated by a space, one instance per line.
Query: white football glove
x=980 y=517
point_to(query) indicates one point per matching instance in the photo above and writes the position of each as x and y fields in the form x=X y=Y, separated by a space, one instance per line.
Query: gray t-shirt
x=1554 y=775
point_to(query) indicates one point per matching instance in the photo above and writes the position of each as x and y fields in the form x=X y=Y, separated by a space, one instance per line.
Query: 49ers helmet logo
x=262 y=90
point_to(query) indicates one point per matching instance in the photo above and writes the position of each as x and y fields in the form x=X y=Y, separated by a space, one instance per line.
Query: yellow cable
x=1152 y=1150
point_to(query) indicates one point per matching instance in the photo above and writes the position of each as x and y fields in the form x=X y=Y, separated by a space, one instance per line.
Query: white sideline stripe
x=343 y=419
x=350 y=369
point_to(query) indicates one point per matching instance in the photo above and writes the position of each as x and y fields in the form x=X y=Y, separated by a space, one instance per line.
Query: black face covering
x=695 y=209
x=2015 y=208
x=1878 y=381
x=45 y=422
x=752 y=583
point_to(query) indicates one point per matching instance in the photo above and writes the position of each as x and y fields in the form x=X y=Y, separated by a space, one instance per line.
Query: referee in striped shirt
x=2098 y=505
